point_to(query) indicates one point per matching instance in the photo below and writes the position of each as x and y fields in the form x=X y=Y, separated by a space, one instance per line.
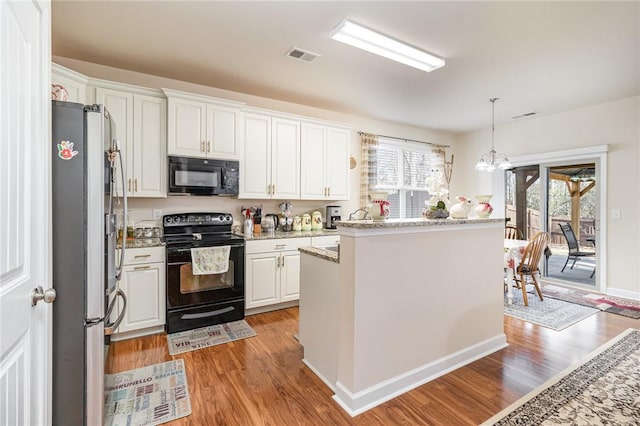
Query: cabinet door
x=256 y=159
x=290 y=276
x=285 y=159
x=186 y=128
x=149 y=147
x=262 y=279
x=144 y=286
x=120 y=106
x=75 y=89
x=337 y=164
x=312 y=162
x=221 y=133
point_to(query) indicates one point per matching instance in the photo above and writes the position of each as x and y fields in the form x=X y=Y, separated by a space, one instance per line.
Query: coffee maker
x=333 y=216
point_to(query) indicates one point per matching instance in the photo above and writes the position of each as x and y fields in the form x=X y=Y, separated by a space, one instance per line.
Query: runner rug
x=614 y=305
x=147 y=396
x=601 y=389
x=199 y=338
x=550 y=313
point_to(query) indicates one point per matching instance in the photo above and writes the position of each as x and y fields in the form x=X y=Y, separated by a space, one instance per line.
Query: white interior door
x=25 y=331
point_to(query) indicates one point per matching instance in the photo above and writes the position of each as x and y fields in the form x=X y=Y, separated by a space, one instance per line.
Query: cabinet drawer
x=277 y=244
x=134 y=256
x=325 y=240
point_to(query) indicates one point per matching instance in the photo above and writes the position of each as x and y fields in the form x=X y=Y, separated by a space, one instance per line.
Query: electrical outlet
x=157 y=214
x=616 y=214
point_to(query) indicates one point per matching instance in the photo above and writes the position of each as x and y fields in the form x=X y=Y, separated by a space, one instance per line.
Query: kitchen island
x=414 y=299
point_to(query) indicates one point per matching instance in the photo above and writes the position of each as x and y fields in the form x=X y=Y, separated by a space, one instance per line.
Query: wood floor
x=262 y=380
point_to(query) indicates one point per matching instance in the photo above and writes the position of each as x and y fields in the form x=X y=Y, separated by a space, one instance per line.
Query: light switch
x=615 y=214
x=157 y=214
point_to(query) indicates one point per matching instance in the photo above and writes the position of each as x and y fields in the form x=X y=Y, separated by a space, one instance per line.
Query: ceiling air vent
x=302 y=55
x=526 y=114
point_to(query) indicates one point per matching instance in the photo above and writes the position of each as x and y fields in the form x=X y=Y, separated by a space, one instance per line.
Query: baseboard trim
x=625 y=294
x=331 y=386
x=359 y=402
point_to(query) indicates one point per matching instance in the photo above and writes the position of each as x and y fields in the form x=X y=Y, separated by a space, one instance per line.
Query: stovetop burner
x=198 y=229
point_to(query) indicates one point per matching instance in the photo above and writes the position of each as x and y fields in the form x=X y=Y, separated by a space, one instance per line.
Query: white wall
x=141 y=208
x=616 y=124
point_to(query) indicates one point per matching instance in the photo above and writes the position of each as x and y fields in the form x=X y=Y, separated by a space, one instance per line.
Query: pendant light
x=489 y=162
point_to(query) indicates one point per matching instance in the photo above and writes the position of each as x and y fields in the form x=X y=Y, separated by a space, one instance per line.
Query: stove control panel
x=191 y=219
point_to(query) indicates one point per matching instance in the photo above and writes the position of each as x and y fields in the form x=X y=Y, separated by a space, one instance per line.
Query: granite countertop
x=291 y=234
x=142 y=243
x=409 y=223
x=330 y=255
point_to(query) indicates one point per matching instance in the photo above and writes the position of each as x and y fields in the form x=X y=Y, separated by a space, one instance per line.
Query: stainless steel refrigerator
x=85 y=157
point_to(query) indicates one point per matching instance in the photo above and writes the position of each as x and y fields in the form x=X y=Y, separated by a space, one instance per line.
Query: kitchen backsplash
x=142 y=208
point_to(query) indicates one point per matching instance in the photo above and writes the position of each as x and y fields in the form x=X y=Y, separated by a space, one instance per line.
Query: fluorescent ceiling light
x=363 y=38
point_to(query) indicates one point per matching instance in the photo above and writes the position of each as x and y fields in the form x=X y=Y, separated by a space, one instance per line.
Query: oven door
x=184 y=289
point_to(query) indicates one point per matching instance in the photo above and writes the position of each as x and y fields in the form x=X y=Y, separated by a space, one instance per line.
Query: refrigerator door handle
x=110 y=327
x=124 y=212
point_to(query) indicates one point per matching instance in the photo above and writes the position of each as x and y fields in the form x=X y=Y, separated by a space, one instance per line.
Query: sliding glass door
x=562 y=199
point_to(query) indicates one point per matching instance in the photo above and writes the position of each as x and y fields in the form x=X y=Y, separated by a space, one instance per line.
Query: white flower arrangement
x=439 y=193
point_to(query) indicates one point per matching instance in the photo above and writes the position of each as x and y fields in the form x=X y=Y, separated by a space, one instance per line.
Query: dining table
x=513 y=250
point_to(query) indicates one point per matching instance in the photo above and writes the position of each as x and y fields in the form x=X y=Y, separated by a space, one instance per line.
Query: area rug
x=147 y=396
x=551 y=313
x=614 y=305
x=602 y=389
x=199 y=338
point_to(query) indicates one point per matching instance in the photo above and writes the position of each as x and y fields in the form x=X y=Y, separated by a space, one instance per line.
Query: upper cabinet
x=200 y=126
x=141 y=127
x=324 y=162
x=74 y=82
x=270 y=165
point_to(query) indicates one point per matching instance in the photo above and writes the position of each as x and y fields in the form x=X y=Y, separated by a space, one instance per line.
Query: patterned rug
x=551 y=313
x=147 y=396
x=614 y=305
x=190 y=340
x=600 y=390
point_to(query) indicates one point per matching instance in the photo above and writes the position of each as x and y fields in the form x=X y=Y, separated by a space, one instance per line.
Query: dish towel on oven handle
x=210 y=260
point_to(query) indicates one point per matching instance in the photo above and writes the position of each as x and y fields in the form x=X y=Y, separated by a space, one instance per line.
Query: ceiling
x=545 y=57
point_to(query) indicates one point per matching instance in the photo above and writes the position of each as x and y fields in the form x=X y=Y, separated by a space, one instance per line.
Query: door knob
x=48 y=295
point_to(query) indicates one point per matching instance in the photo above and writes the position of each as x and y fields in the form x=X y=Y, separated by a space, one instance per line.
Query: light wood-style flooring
x=262 y=380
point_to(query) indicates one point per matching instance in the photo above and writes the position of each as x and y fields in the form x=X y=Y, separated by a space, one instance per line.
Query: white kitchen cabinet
x=141 y=128
x=200 y=126
x=270 y=157
x=272 y=271
x=324 y=162
x=74 y=82
x=144 y=284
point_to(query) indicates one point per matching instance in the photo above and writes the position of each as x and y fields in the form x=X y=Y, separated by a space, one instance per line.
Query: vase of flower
x=379 y=209
x=483 y=209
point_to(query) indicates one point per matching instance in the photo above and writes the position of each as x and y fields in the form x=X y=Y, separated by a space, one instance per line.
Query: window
x=403 y=169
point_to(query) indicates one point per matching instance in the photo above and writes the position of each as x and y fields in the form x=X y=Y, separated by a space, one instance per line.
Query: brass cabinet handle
x=139 y=256
x=135 y=182
x=329 y=191
x=140 y=268
x=129 y=185
x=202 y=146
x=283 y=261
x=208 y=146
x=273 y=189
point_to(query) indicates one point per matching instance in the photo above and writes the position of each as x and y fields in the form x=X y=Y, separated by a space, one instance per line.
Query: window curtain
x=368 y=166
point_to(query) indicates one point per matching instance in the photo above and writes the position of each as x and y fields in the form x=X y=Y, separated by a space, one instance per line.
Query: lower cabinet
x=272 y=271
x=143 y=282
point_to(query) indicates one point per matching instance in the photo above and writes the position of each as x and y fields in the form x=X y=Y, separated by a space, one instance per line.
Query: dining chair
x=529 y=265
x=512 y=233
x=574 y=247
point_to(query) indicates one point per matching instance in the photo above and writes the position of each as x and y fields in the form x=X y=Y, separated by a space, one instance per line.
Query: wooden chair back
x=512 y=233
x=530 y=259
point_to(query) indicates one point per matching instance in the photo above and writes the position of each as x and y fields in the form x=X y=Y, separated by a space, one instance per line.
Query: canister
x=306 y=222
x=297 y=223
x=316 y=221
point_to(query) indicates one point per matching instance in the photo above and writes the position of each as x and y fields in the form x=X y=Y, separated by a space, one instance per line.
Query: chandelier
x=489 y=162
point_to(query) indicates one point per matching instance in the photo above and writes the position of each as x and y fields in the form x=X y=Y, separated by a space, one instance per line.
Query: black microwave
x=203 y=176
